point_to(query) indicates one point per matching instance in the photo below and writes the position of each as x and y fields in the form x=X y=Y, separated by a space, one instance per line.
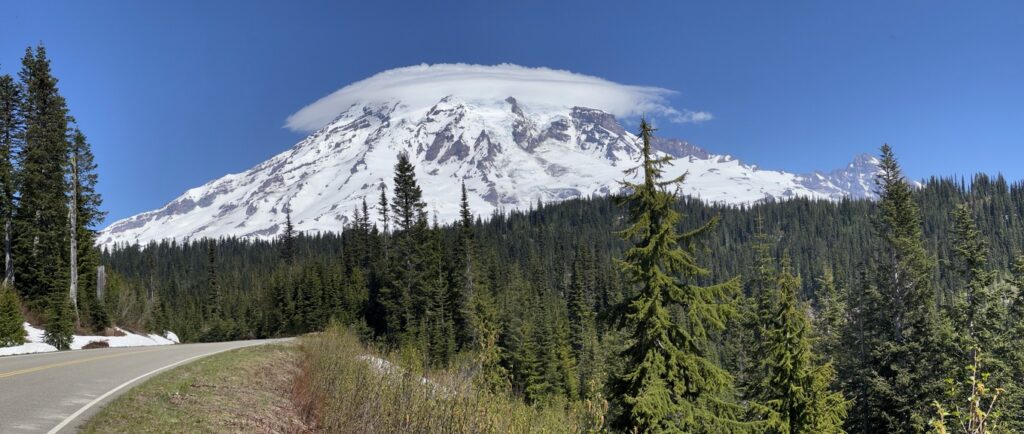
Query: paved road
x=57 y=392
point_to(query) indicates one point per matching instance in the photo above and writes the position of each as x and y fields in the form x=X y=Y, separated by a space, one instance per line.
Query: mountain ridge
x=509 y=153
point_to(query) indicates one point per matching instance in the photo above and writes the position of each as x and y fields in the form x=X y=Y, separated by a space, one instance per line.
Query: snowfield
x=514 y=143
x=36 y=344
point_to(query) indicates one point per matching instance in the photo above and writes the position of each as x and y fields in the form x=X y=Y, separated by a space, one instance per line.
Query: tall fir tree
x=793 y=383
x=41 y=218
x=406 y=301
x=670 y=383
x=901 y=324
x=288 y=239
x=1012 y=350
x=977 y=324
x=11 y=130
x=214 y=299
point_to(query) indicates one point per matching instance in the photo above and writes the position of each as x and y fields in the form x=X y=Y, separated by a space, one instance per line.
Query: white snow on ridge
x=510 y=153
x=35 y=341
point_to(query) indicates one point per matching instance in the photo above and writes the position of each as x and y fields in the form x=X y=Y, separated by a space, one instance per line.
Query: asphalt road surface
x=57 y=392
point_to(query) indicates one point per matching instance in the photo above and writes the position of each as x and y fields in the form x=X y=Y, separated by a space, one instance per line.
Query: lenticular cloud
x=423 y=85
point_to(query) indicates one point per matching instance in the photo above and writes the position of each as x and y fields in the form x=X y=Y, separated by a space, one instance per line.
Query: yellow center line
x=70 y=362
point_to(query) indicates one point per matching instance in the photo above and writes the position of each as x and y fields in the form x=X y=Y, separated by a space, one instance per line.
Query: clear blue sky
x=173 y=95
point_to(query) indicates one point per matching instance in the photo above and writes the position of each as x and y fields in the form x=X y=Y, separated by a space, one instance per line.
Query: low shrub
x=342 y=387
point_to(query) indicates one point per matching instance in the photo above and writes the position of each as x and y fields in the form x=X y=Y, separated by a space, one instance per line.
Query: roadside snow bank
x=35 y=341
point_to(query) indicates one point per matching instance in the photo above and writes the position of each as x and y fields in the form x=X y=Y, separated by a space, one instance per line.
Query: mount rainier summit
x=509 y=152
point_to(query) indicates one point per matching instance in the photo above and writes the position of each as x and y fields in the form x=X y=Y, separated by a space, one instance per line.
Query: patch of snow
x=35 y=341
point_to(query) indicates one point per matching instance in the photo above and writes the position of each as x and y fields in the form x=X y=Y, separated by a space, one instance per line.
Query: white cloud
x=423 y=85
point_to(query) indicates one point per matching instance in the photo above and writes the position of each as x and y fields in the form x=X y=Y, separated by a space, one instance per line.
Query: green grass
x=244 y=390
x=343 y=393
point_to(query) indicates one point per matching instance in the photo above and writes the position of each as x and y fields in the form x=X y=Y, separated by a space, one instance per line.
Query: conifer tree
x=830 y=317
x=288 y=239
x=792 y=383
x=582 y=327
x=976 y=313
x=410 y=272
x=11 y=129
x=476 y=316
x=977 y=322
x=1011 y=351
x=60 y=322
x=670 y=384
x=214 y=299
x=12 y=330
x=901 y=325
x=41 y=218
x=464 y=277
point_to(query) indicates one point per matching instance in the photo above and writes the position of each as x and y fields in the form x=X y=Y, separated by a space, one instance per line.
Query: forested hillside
x=888 y=301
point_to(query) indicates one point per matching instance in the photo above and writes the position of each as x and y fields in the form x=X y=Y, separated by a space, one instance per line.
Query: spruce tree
x=830 y=318
x=582 y=322
x=214 y=301
x=12 y=330
x=977 y=321
x=60 y=322
x=11 y=129
x=901 y=323
x=1011 y=351
x=288 y=239
x=793 y=384
x=977 y=312
x=670 y=383
x=408 y=297
x=41 y=219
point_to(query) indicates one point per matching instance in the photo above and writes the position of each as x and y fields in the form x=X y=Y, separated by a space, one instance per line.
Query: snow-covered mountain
x=509 y=153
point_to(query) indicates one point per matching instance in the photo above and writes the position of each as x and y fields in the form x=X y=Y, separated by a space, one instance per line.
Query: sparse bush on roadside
x=342 y=387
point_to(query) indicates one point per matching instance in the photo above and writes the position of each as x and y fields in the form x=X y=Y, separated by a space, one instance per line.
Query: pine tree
x=12 y=330
x=830 y=316
x=214 y=301
x=60 y=322
x=582 y=326
x=901 y=324
x=288 y=239
x=41 y=219
x=11 y=129
x=466 y=286
x=976 y=312
x=977 y=320
x=1011 y=351
x=404 y=305
x=792 y=383
x=670 y=384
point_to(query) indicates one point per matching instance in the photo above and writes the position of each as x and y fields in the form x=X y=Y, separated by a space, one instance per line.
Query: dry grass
x=340 y=391
x=240 y=391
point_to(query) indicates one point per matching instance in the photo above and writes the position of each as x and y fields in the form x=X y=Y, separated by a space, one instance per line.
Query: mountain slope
x=509 y=155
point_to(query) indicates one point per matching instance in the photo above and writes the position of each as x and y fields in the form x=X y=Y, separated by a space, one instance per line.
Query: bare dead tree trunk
x=73 y=217
x=8 y=261
x=101 y=282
